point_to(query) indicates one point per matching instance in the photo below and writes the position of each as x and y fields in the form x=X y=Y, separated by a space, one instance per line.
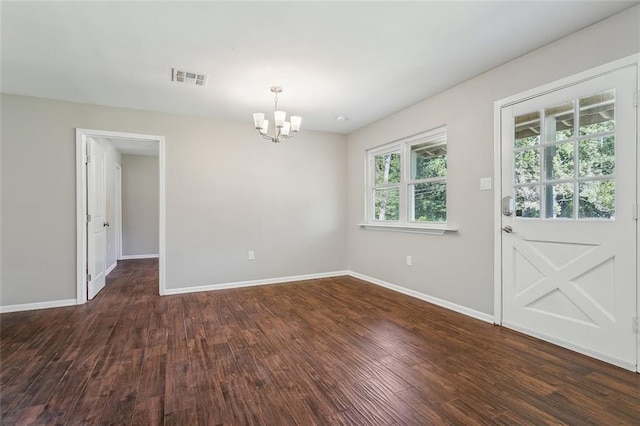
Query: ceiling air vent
x=188 y=77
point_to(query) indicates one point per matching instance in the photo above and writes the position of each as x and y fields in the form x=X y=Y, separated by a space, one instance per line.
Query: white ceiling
x=136 y=146
x=360 y=60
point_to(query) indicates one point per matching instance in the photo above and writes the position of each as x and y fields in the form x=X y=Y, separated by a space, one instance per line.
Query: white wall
x=227 y=191
x=458 y=267
x=140 y=219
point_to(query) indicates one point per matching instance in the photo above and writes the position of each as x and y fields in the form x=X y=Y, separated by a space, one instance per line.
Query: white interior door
x=569 y=230
x=96 y=218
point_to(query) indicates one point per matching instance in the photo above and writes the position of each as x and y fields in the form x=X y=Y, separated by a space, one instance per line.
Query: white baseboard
x=440 y=302
x=252 y=283
x=139 y=256
x=38 y=305
x=443 y=303
x=170 y=291
x=111 y=268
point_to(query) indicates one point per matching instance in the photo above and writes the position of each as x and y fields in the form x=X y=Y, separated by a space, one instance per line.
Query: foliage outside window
x=564 y=160
x=407 y=180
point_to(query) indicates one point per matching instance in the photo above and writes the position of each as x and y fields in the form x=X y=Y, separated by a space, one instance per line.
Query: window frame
x=371 y=181
x=404 y=146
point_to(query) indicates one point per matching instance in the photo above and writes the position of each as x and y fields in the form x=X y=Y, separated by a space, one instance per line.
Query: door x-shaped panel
x=554 y=287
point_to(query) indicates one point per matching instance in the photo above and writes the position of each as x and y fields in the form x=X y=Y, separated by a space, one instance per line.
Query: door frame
x=633 y=60
x=118 y=206
x=81 y=204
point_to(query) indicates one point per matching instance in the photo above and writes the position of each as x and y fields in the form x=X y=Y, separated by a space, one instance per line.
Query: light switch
x=485 y=184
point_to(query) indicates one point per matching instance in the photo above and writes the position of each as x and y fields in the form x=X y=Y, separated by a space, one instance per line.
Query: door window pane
x=552 y=180
x=559 y=199
x=428 y=161
x=387 y=204
x=527 y=166
x=597 y=113
x=387 y=168
x=429 y=201
x=559 y=122
x=528 y=201
x=527 y=130
x=597 y=199
x=597 y=156
x=559 y=161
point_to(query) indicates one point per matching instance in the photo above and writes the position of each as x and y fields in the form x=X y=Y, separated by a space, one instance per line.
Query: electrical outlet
x=252 y=255
x=409 y=261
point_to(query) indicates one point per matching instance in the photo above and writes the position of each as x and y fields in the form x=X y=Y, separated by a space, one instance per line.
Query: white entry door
x=569 y=217
x=96 y=218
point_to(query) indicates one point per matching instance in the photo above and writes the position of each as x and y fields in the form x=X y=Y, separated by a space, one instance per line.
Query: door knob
x=105 y=224
x=508 y=229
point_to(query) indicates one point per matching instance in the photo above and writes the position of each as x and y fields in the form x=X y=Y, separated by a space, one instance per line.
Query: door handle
x=508 y=229
x=105 y=224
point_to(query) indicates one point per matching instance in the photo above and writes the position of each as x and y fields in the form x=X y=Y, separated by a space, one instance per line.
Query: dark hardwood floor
x=332 y=351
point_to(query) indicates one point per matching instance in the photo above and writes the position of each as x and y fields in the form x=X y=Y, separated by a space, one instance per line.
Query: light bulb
x=295 y=123
x=279 y=118
x=286 y=128
x=258 y=118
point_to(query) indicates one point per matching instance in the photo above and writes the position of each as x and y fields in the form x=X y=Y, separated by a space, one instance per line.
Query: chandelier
x=283 y=129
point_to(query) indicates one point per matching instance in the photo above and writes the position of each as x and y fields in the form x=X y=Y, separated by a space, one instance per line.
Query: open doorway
x=99 y=218
x=139 y=236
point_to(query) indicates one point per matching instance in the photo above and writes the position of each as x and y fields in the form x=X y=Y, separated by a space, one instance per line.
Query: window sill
x=430 y=229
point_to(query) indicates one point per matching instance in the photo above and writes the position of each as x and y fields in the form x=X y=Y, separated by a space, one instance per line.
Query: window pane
x=597 y=199
x=527 y=130
x=387 y=168
x=597 y=113
x=559 y=122
x=527 y=166
x=597 y=156
x=559 y=161
x=429 y=201
x=559 y=201
x=528 y=201
x=387 y=204
x=428 y=161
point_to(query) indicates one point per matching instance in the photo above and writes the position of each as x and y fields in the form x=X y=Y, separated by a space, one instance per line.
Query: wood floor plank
x=62 y=402
x=149 y=411
x=335 y=351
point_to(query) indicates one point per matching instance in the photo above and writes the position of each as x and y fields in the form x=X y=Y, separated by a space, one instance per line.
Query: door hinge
x=634 y=325
x=88 y=218
x=635 y=99
x=87 y=159
x=634 y=212
x=88 y=277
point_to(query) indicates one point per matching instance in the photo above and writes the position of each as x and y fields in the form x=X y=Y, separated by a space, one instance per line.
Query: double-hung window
x=407 y=181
